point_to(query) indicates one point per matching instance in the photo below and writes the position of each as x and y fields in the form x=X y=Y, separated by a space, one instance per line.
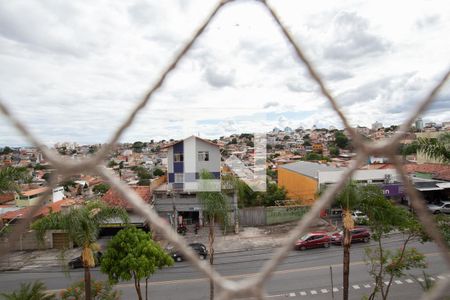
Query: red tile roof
x=43 y=211
x=6 y=197
x=114 y=198
x=34 y=191
x=438 y=171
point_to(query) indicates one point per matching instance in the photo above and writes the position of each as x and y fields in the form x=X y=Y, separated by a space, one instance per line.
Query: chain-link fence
x=253 y=286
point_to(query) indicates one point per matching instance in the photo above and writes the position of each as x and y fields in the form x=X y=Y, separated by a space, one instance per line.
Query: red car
x=359 y=234
x=313 y=240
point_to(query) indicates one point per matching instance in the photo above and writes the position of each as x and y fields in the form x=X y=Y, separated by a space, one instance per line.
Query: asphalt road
x=303 y=275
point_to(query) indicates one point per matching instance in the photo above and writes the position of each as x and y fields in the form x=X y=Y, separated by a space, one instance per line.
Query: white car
x=359 y=217
x=442 y=207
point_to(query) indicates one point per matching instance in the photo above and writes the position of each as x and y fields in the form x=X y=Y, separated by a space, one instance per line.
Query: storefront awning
x=444 y=185
x=425 y=189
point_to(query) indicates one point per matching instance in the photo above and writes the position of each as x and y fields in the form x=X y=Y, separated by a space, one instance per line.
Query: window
x=203 y=156
x=177 y=157
x=179 y=178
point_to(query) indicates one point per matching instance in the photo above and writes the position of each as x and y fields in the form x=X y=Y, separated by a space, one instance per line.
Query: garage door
x=60 y=241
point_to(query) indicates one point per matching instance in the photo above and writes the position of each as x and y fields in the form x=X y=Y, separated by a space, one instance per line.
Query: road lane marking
x=386 y=282
x=246 y=275
x=409 y=280
x=398 y=282
x=324 y=291
x=335 y=290
x=367 y=286
x=356 y=287
x=302 y=293
x=420 y=279
x=291 y=294
x=440 y=277
x=432 y=278
x=313 y=292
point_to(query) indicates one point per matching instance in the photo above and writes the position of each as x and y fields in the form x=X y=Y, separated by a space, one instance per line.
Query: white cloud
x=74 y=70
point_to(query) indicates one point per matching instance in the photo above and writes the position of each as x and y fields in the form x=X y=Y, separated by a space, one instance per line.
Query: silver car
x=442 y=207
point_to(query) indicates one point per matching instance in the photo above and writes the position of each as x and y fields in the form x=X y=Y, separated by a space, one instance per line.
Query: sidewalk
x=252 y=237
x=248 y=238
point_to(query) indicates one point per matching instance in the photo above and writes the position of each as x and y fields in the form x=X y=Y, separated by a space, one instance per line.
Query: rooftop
x=114 y=198
x=34 y=191
x=43 y=211
x=309 y=169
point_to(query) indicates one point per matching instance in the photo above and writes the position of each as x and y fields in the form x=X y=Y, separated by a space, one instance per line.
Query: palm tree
x=9 y=176
x=83 y=226
x=436 y=148
x=348 y=199
x=30 y=291
x=215 y=209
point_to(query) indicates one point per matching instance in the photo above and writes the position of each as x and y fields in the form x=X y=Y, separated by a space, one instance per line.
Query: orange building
x=300 y=179
x=317 y=147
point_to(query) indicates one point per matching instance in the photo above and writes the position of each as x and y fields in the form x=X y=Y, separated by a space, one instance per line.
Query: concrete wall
x=260 y=216
x=29 y=241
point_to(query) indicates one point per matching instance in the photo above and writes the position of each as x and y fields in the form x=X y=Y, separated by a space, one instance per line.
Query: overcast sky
x=72 y=70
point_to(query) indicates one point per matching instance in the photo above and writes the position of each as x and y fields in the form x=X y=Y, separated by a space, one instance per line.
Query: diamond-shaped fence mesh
x=253 y=286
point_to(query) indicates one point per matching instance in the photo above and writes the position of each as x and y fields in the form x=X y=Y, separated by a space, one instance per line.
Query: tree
x=385 y=265
x=137 y=146
x=215 y=209
x=101 y=188
x=112 y=163
x=40 y=167
x=443 y=222
x=334 y=151
x=92 y=149
x=158 y=172
x=408 y=149
x=436 y=148
x=348 y=199
x=341 y=140
x=83 y=226
x=313 y=156
x=9 y=178
x=99 y=290
x=30 y=291
x=272 y=194
x=6 y=150
x=143 y=173
x=133 y=254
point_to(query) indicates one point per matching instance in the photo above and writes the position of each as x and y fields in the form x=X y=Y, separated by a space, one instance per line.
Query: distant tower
x=419 y=124
x=377 y=125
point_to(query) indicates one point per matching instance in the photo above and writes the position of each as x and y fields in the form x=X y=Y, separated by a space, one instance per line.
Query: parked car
x=441 y=207
x=313 y=240
x=197 y=247
x=359 y=217
x=359 y=234
x=77 y=262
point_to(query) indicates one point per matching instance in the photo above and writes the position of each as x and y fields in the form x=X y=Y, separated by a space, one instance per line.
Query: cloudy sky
x=73 y=70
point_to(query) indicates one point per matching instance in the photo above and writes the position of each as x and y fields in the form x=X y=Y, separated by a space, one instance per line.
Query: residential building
x=302 y=180
x=187 y=159
x=178 y=200
x=419 y=124
x=377 y=125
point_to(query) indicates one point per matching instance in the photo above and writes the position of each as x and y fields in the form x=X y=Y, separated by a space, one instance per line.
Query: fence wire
x=252 y=286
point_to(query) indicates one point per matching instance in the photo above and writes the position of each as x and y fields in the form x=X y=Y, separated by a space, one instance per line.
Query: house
x=178 y=200
x=113 y=198
x=31 y=197
x=187 y=159
x=302 y=180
